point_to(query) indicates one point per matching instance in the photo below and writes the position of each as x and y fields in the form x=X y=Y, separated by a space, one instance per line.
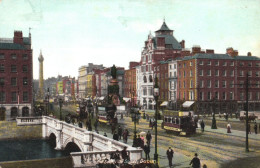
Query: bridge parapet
x=28 y=121
x=92 y=158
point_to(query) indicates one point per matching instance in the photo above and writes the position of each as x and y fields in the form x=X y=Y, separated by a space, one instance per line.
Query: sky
x=73 y=33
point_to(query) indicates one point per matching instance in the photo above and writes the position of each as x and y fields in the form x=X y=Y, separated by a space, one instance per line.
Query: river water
x=12 y=150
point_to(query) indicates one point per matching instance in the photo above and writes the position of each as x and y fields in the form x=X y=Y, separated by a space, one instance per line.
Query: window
x=249 y=95
x=25 y=68
x=241 y=73
x=232 y=73
x=257 y=64
x=25 y=81
x=224 y=63
x=224 y=84
x=191 y=63
x=216 y=63
x=231 y=85
x=224 y=96
x=13 y=56
x=201 y=72
x=2 y=56
x=13 y=68
x=216 y=95
x=209 y=95
x=250 y=73
x=184 y=84
x=184 y=65
x=201 y=83
x=241 y=64
x=145 y=79
x=224 y=72
x=241 y=84
x=241 y=96
x=2 y=68
x=179 y=74
x=25 y=57
x=13 y=81
x=190 y=72
x=144 y=91
x=257 y=95
x=209 y=72
x=191 y=84
x=216 y=83
x=258 y=84
x=179 y=85
x=209 y=84
x=216 y=72
x=25 y=96
x=175 y=74
x=209 y=63
x=170 y=66
x=184 y=74
x=14 y=97
x=2 y=96
x=2 y=81
x=201 y=62
x=257 y=73
x=250 y=64
x=201 y=96
x=231 y=95
x=232 y=63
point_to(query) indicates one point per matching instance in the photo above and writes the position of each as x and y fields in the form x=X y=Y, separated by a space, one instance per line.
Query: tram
x=104 y=117
x=179 y=122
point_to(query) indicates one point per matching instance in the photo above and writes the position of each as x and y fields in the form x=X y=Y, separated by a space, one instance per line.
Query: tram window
x=177 y=121
x=165 y=119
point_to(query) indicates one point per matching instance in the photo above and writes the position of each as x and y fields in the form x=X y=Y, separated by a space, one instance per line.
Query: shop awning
x=126 y=99
x=165 y=103
x=187 y=103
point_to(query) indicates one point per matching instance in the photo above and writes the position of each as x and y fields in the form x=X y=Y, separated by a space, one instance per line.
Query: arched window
x=145 y=79
x=25 y=111
x=150 y=78
x=2 y=113
x=14 y=112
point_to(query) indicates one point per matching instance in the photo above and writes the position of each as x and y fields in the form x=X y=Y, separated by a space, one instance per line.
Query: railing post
x=44 y=127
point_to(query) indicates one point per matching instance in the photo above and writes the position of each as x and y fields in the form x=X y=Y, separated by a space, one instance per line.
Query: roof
x=11 y=46
x=169 y=39
x=246 y=58
x=164 y=27
x=208 y=56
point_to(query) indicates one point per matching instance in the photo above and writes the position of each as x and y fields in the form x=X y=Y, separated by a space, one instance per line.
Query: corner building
x=162 y=47
x=16 y=76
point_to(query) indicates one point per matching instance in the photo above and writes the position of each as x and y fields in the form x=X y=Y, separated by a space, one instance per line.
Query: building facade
x=16 y=76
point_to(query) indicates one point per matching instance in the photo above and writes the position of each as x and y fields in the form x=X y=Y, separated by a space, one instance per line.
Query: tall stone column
x=41 y=92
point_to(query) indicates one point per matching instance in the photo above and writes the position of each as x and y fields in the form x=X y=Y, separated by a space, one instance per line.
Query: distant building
x=16 y=76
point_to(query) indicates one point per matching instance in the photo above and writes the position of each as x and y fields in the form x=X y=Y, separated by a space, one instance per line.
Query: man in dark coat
x=255 y=128
x=115 y=136
x=148 y=137
x=124 y=154
x=125 y=135
x=147 y=151
x=202 y=125
x=120 y=131
x=195 y=161
x=170 y=155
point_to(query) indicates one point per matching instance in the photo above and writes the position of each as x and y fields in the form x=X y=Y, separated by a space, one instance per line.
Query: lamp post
x=134 y=115
x=156 y=96
x=48 y=99
x=2 y=96
x=214 y=123
x=60 y=104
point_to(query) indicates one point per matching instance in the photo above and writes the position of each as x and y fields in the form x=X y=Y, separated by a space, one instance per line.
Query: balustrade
x=28 y=121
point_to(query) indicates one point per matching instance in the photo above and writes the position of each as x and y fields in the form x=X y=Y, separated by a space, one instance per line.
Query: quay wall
x=10 y=130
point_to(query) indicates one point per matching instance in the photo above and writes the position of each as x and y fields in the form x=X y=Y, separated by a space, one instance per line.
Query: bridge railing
x=81 y=159
x=28 y=121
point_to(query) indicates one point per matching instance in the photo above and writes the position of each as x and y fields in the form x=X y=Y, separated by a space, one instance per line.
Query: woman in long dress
x=228 y=128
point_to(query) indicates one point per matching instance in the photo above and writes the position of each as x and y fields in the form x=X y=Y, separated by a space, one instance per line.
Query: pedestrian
x=80 y=124
x=87 y=124
x=204 y=166
x=255 y=127
x=151 y=124
x=139 y=141
x=115 y=136
x=169 y=154
x=105 y=134
x=113 y=128
x=228 y=128
x=148 y=138
x=125 y=136
x=96 y=125
x=122 y=116
x=195 y=161
x=147 y=151
x=124 y=155
x=120 y=131
x=202 y=125
x=249 y=129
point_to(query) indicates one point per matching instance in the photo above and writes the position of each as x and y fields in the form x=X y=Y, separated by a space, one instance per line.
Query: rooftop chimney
x=249 y=54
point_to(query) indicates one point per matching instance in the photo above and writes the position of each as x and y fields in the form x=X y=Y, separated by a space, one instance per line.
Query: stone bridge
x=92 y=147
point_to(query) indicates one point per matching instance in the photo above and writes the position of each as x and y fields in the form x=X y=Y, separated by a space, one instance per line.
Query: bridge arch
x=76 y=142
x=52 y=140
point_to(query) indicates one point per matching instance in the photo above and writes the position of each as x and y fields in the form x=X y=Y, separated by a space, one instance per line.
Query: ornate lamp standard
x=156 y=96
x=214 y=123
x=60 y=104
x=134 y=115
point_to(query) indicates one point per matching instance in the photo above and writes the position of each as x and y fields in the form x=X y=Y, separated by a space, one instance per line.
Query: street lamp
x=156 y=96
x=214 y=123
x=135 y=115
x=60 y=104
